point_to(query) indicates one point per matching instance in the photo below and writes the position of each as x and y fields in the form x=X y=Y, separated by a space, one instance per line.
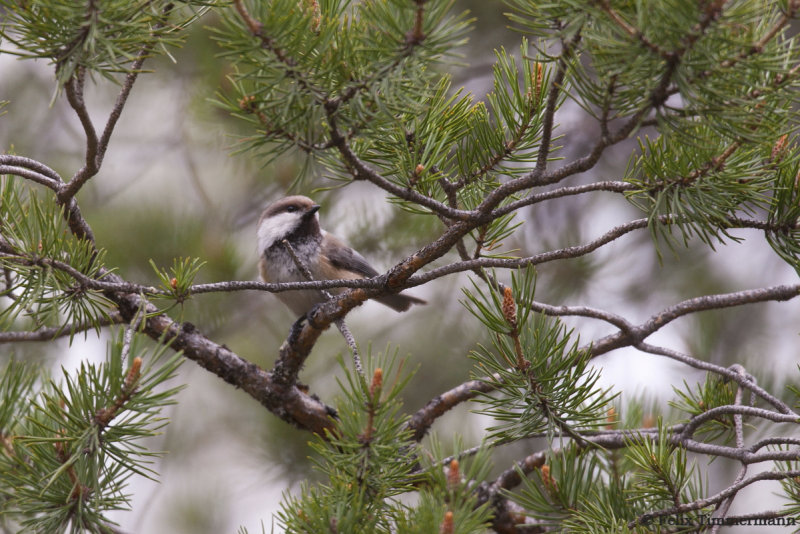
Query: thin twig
x=351 y=342
x=133 y=326
x=74 y=90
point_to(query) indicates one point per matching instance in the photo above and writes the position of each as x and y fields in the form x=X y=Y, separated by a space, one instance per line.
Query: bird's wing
x=343 y=257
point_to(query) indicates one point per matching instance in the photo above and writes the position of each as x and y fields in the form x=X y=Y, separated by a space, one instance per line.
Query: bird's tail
x=399 y=302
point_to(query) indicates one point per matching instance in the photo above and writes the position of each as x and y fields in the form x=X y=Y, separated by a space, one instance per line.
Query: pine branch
x=44 y=174
x=96 y=148
x=424 y=418
x=28 y=174
x=74 y=89
x=583 y=311
x=727 y=373
x=715 y=412
x=256 y=29
x=619 y=439
x=569 y=252
x=548 y=121
x=246 y=285
x=704 y=303
x=361 y=171
x=51 y=333
x=85 y=282
x=562 y=192
x=699 y=504
x=513 y=263
x=724 y=507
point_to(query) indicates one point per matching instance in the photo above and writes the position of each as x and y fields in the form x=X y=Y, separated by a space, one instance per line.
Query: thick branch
x=289 y=403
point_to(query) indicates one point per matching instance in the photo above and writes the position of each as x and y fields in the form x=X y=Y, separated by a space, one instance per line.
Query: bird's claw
x=297 y=328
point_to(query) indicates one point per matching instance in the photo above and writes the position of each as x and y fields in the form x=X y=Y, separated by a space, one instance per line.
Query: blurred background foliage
x=170 y=187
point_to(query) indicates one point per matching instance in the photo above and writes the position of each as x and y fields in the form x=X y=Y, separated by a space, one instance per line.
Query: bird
x=294 y=219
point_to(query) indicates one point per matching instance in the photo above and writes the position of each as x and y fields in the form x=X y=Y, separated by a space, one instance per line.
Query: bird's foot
x=297 y=328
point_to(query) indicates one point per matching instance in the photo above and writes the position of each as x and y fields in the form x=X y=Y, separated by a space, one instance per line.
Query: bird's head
x=292 y=218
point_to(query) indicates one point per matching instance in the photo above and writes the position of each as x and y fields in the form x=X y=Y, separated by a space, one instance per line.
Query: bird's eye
x=291 y=209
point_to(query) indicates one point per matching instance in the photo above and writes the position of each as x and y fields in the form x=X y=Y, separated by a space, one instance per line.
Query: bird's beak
x=312 y=210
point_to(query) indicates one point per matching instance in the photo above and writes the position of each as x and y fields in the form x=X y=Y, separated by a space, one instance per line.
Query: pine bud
x=248 y=103
x=448 y=525
x=648 y=421
x=509 y=307
x=453 y=475
x=611 y=418
x=418 y=170
x=779 y=149
x=133 y=372
x=377 y=382
x=538 y=80
x=547 y=479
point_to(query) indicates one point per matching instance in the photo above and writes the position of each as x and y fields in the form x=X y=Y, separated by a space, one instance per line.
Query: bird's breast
x=278 y=266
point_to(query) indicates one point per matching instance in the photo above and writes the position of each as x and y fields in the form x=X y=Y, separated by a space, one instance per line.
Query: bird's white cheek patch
x=275 y=228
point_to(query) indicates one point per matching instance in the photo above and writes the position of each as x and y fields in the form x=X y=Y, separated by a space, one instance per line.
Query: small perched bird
x=325 y=256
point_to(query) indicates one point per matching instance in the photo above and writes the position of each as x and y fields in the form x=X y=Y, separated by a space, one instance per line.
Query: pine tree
x=698 y=95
